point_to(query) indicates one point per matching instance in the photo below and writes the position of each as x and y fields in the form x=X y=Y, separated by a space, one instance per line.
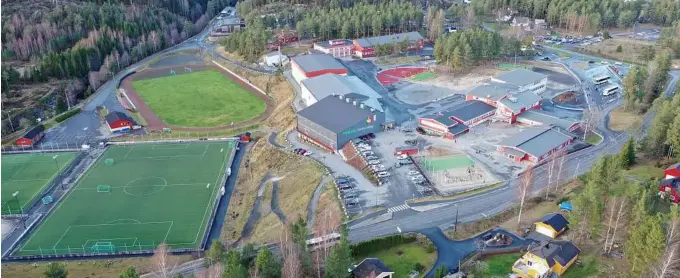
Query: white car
x=363 y=149
x=371 y=157
x=417 y=178
x=402 y=156
x=383 y=174
x=413 y=173
x=363 y=145
x=308 y=153
x=368 y=153
x=373 y=162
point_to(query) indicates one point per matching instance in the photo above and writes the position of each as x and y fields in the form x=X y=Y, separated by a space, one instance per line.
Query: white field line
x=224 y=162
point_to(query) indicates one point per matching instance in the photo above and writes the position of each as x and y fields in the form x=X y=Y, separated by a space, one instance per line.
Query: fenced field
x=135 y=197
x=453 y=172
x=25 y=175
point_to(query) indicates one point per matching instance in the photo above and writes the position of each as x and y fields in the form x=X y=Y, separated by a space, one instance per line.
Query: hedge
x=380 y=243
x=66 y=115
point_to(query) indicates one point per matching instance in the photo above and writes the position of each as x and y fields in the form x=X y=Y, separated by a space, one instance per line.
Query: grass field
x=448 y=162
x=159 y=193
x=199 y=99
x=500 y=265
x=424 y=76
x=402 y=258
x=29 y=174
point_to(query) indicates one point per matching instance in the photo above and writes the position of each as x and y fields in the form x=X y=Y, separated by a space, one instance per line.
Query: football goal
x=103 y=247
x=103 y=188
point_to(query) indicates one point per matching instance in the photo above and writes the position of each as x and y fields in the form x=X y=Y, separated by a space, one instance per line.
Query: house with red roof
x=672 y=171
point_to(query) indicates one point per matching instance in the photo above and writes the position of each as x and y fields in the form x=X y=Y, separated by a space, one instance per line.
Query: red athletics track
x=389 y=76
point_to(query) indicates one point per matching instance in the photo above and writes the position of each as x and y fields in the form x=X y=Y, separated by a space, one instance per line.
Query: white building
x=525 y=80
x=275 y=58
x=317 y=88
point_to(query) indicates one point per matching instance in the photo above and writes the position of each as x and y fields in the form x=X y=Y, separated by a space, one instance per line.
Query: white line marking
x=126 y=154
x=62 y=236
x=169 y=229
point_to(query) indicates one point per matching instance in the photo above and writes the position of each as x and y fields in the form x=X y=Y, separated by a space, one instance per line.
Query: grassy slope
x=500 y=265
x=403 y=264
x=199 y=99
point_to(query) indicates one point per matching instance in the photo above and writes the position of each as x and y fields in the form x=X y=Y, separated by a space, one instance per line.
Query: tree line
x=460 y=50
x=578 y=14
x=85 y=43
x=663 y=138
x=642 y=85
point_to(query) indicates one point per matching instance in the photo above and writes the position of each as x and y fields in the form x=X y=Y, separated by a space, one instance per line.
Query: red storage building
x=365 y=47
x=308 y=66
x=31 y=137
x=119 y=122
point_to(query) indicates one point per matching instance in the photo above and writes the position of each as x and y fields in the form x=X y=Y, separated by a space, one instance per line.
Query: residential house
x=372 y=268
x=552 y=225
x=671 y=188
x=545 y=259
x=520 y=21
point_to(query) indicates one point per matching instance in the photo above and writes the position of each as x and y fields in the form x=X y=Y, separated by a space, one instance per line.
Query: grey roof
x=536 y=141
x=459 y=128
x=370 y=267
x=326 y=44
x=494 y=90
x=521 y=20
x=535 y=116
x=520 y=77
x=316 y=62
x=350 y=86
x=368 y=42
x=518 y=101
x=560 y=251
x=464 y=112
x=334 y=114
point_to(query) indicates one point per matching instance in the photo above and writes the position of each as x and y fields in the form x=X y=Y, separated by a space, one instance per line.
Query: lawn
x=28 y=174
x=157 y=193
x=562 y=54
x=199 y=99
x=644 y=172
x=449 y=162
x=588 y=268
x=630 y=49
x=500 y=265
x=402 y=258
x=428 y=75
x=593 y=138
x=622 y=120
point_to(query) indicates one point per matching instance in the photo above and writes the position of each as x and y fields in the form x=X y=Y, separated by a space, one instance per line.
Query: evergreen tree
x=339 y=260
x=645 y=244
x=56 y=270
x=130 y=272
x=233 y=267
x=468 y=56
x=673 y=136
x=266 y=264
x=619 y=49
x=457 y=59
x=215 y=253
x=626 y=157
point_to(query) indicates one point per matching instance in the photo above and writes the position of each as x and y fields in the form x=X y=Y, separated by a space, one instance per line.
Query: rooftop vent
x=354 y=102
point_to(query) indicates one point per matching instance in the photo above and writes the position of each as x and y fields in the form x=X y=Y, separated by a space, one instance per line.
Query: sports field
x=158 y=193
x=199 y=99
x=424 y=76
x=28 y=174
x=447 y=162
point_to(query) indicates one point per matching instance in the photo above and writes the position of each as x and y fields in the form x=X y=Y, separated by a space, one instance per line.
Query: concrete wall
x=319 y=133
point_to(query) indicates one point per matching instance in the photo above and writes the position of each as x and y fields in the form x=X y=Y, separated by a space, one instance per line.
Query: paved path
x=311 y=206
x=254 y=212
x=275 y=203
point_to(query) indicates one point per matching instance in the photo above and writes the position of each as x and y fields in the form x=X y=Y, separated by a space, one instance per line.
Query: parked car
x=368 y=153
x=373 y=162
x=345 y=186
x=402 y=156
x=371 y=157
x=302 y=152
x=342 y=181
x=545 y=59
x=307 y=153
x=383 y=174
x=351 y=203
x=417 y=178
x=350 y=195
x=366 y=148
x=405 y=162
x=413 y=173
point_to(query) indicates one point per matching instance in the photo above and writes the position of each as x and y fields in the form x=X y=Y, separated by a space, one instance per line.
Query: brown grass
x=91 y=268
x=267 y=230
x=630 y=53
x=622 y=120
x=328 y=211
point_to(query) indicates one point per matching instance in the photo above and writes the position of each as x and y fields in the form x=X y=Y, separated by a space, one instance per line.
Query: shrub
x=619 y=48
x=418 y=267
x=380 y=243
x=66 y=115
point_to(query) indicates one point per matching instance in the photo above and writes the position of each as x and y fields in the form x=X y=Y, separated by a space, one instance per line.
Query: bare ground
x=329 y=215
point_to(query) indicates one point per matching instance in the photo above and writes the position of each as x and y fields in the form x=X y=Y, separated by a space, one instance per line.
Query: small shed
x=32 y=136
x=410 y=150
x=119 y=122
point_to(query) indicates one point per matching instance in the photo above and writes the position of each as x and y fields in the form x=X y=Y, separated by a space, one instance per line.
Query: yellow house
x=552 y=225
x=546 y=258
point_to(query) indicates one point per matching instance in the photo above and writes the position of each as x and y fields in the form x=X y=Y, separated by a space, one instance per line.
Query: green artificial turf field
x=28 y=174
x=158 y=193
x=448 y=162
x=199 y=99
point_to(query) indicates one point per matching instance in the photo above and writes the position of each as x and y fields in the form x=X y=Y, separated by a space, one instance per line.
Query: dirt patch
x=440 y=151
x=156 y=124
x=622 y=120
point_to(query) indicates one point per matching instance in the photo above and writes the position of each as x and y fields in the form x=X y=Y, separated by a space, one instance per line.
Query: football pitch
x=447 y=162
x=135 y=197
x=28 y=174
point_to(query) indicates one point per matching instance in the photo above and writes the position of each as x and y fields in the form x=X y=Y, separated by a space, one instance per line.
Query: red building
x=458 y=120
x=410 y=150
x=672 y=172
x=119 y=122
x=308 y=66
x=365 y=47
x=31 y=137
x=534 y=144
x=337 y=48
x=669 y=187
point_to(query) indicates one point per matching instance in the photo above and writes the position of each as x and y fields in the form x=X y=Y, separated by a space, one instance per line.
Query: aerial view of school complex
x=340 y=138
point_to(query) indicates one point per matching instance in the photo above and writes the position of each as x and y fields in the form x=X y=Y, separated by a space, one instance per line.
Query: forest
x=71 y=48
x=463 y=49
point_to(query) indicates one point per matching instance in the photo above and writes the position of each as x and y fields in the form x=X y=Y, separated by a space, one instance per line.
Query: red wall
x=24 y=142
x=671 y=192
x=322 y=72
x=121 y=123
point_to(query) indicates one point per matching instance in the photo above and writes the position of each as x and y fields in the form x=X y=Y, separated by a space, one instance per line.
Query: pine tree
x=338 y=260
x=468 y=56
x=626 y=157
x=266 y=264
x=456 y=59
x=215 y=253
x=673 y=136
x=233 y=267
x=645 y=245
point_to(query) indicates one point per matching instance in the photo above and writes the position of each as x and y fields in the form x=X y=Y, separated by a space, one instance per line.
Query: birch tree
x=669 y=265
x=163 y=262
x=524 y=187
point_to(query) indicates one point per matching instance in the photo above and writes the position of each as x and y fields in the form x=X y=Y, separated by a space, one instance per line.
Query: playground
x=135 y=197
x=389 y=76
x=453 y=173
x=25 y=176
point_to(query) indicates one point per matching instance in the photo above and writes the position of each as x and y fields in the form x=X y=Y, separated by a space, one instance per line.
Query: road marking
x=398 y=208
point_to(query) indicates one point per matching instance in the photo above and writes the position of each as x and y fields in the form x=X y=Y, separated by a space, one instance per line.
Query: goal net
x=103 y=247
x=103 y=188
x=108 y=161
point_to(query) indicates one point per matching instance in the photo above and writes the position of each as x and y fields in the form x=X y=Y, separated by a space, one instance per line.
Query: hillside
x=56 y=53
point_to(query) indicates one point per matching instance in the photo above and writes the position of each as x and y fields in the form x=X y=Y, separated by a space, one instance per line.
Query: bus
x=601 y=79
x=610 y=90
x=325 y=240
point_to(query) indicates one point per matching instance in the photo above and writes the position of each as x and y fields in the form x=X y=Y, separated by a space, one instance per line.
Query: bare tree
x=292 y=266
x=164 y=263
x=470 y=17
x=524 y=186
x=610 y=215
x=669 y=265
x=551 y=168
x=214 y=271
x=591 y=117
x=621 y=212
x=561 y=154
